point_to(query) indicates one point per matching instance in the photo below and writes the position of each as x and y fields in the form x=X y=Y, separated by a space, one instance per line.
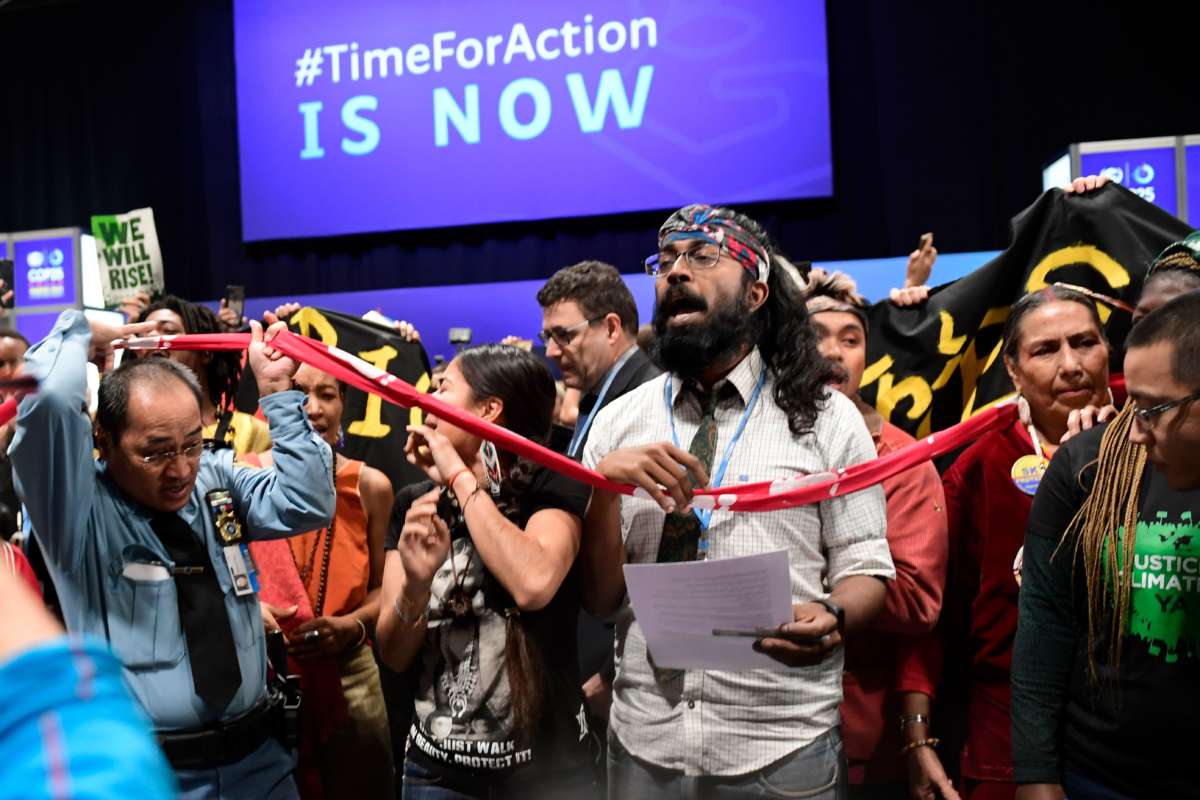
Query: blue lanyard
x=705 y=515
x=581 y=430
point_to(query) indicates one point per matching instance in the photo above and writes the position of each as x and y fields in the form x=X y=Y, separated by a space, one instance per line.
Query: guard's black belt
x=223 y=743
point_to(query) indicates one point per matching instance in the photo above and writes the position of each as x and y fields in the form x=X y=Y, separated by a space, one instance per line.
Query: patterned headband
x=717 y=226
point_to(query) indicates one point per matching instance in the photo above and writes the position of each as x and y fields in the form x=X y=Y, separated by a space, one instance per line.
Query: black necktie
x=681 y=532
x=202 y=615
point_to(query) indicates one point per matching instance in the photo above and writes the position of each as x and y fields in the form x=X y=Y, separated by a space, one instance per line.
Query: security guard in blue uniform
x=147 y=547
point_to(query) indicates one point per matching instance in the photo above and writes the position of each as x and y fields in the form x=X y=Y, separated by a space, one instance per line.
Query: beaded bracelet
x=908 y=748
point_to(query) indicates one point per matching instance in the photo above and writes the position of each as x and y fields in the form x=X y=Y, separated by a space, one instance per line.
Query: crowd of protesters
x=1022 y=623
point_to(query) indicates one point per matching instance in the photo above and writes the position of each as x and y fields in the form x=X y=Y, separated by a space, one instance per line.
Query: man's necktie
x=681 y=532
x=202 y=615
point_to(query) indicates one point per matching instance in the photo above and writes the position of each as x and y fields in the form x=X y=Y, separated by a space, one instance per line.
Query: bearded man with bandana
x=746 y=392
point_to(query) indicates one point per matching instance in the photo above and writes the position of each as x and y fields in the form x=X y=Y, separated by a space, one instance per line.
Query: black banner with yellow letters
x=374 y=431
x=933 y=366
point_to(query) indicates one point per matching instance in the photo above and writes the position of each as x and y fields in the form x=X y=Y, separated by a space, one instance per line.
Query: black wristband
x=837 y=611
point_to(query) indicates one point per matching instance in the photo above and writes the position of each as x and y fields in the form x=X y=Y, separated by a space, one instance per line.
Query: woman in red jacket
x=1057 y=357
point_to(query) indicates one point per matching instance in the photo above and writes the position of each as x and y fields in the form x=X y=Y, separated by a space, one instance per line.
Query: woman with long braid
x=480 y=597
x=1106 y=671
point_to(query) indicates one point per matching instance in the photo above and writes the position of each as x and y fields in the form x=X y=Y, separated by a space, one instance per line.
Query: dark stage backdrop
x=942 y=116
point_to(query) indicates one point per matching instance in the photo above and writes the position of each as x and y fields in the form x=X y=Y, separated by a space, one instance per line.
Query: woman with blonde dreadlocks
x=1106 y=670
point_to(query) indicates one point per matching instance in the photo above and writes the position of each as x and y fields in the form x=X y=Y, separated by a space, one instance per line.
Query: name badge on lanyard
x=242 y=572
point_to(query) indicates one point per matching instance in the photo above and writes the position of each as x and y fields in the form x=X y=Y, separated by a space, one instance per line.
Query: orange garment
x=350 y=559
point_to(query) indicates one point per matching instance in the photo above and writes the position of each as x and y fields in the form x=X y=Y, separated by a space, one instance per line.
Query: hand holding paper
x=679 y=605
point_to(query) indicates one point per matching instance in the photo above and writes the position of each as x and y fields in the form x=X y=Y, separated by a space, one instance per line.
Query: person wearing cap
x=1174 y=271
x=879 y=730
x=747 y=393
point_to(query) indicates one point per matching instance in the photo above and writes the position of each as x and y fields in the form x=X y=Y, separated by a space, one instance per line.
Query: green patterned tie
x=681 y=532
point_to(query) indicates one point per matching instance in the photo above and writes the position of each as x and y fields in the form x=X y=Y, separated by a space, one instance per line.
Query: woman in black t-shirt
x=1106 y=666
x=482 y=597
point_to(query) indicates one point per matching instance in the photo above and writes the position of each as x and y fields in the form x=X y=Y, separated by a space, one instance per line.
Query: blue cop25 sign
x=370 y=115
x=1149 y=173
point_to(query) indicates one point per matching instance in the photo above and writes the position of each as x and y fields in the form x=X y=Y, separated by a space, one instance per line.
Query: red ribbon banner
x=766 y=496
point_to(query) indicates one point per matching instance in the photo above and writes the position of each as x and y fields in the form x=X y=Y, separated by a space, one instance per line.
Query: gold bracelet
x=908 y=748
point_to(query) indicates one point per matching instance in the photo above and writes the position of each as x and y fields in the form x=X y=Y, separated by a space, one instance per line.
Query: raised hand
x=424 y=543
x=272 y=369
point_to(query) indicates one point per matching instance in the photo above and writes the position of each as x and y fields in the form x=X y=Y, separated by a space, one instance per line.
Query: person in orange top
x=341 y=569
x=878 y=663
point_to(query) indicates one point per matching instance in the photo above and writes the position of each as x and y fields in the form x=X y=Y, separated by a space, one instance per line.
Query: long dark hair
x=788 y=345
x=523 y=383
x=787 y=342
x=224 y=369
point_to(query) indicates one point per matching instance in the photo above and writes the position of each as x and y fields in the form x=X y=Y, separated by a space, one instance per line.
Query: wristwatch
x=837 y=611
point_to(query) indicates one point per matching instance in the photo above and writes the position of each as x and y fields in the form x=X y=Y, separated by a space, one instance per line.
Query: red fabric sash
x=770 y=496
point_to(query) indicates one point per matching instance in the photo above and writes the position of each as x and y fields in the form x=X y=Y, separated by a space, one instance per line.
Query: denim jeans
x=816 y=771
x=421 y=783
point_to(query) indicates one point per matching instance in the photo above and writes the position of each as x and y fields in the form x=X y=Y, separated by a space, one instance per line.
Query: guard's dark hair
x=112 y=411
x=596 y=288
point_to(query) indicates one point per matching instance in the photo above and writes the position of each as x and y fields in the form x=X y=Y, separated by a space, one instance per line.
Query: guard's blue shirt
x=91 y=533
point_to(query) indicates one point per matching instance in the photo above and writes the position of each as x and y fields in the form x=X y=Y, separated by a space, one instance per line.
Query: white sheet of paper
x=678 y=605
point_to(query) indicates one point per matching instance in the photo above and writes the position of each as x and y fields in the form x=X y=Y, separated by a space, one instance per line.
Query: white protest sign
x=127 y=254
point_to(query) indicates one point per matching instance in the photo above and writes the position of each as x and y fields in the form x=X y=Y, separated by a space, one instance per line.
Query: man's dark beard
x=691 y=350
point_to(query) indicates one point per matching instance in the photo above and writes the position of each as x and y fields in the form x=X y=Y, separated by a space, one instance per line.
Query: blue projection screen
x=368 y=115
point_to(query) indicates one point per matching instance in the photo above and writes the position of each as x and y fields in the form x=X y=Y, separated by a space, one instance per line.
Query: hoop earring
x=1023 y=412
x=341 y=438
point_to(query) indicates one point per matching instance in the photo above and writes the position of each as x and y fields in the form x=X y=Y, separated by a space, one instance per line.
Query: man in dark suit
x=589 y=327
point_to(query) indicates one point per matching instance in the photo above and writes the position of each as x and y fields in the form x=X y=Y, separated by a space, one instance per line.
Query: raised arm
x=298 y=494
x=51 y=451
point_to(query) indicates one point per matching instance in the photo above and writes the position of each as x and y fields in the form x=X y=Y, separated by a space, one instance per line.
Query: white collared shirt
x=731 y=723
